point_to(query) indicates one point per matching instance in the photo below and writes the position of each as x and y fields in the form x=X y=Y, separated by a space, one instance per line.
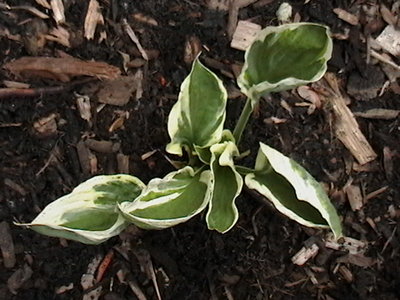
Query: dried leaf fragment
x=118 y=91
x=93 y=18
x=63 y=68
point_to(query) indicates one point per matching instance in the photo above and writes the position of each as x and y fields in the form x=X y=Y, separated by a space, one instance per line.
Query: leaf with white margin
x=169 y=201
x=197 y=118
x=89 y=213
x=292 y=190
x=204 y=153
x=283 y=57
x=224 y=187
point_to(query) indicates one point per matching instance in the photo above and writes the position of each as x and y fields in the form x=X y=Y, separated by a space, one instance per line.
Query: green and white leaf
x=284 y=57
x=89 y=213
x=169 y=201
x=197 y=118
x=224 y=186
x=292 y=190
x=204 y=153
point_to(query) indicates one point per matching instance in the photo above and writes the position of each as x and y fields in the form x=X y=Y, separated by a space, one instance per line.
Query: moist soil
x=253 y=260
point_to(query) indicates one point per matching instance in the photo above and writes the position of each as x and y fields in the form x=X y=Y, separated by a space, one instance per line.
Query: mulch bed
x=59 y=128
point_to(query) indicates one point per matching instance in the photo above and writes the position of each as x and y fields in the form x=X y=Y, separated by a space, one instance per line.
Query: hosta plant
x=279 y=59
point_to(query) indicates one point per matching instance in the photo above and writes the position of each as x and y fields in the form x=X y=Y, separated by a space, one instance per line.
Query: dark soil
x=253 y=260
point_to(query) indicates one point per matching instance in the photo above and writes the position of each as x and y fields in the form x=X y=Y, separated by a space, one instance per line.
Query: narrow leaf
x=169 y=201
x=224 y=186
x=89 y=213
x=197 y=118
x=284 y=57
x=292 y=190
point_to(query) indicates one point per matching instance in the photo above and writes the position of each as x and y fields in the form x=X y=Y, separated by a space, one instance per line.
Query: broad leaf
x=224 y=186
x=284 y=57
x=292 y=190
x=89 y=213
x=197 y=118
x=169 y=201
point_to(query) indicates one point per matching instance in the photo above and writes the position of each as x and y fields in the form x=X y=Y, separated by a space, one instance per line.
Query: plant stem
x=243 y=119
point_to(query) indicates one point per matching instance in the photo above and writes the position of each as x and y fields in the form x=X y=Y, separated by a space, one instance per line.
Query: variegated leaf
x=284 y=57
x=198 y=117
x=224 y=186
x=89 y=213
x=169 y=201
x=292 y=190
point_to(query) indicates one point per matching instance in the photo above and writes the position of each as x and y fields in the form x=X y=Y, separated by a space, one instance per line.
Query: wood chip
x=389 y=40
x=93 y=18
x=123 y=163
x=310 y=95
x=16 y=84
x=305 y=253
x=84 y=108
x=354 y=196
x=118 y=122
x=7 y=245
x=18 y=278
x=388 y=162
x=43 y=3
x=102 y=146
x=387 y=15
x=134 y=38
x=351 y=245
x=146 y=266
x=15 y=186
x=220 y=5
x=192 y=49
x=145 y=19
x=378 y=113
x=63 y=68
x=234 y=7
x=244 y=35
x=32 y=10
x=58 y=11
x=84 y=156
x=46 y=126
x=59 y=35
x=357 y=259
x=119 y=91
x=346 y=273
x=345 y=125
x=346 y=16
x=64 y=288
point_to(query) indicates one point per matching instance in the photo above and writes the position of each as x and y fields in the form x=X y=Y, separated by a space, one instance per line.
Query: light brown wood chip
x=93 y=18
x=62 y=69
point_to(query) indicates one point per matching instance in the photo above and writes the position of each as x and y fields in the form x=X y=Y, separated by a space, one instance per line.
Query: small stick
x=33 y=92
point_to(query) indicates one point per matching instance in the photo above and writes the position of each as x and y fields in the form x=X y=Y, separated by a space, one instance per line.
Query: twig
x=41 y=91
